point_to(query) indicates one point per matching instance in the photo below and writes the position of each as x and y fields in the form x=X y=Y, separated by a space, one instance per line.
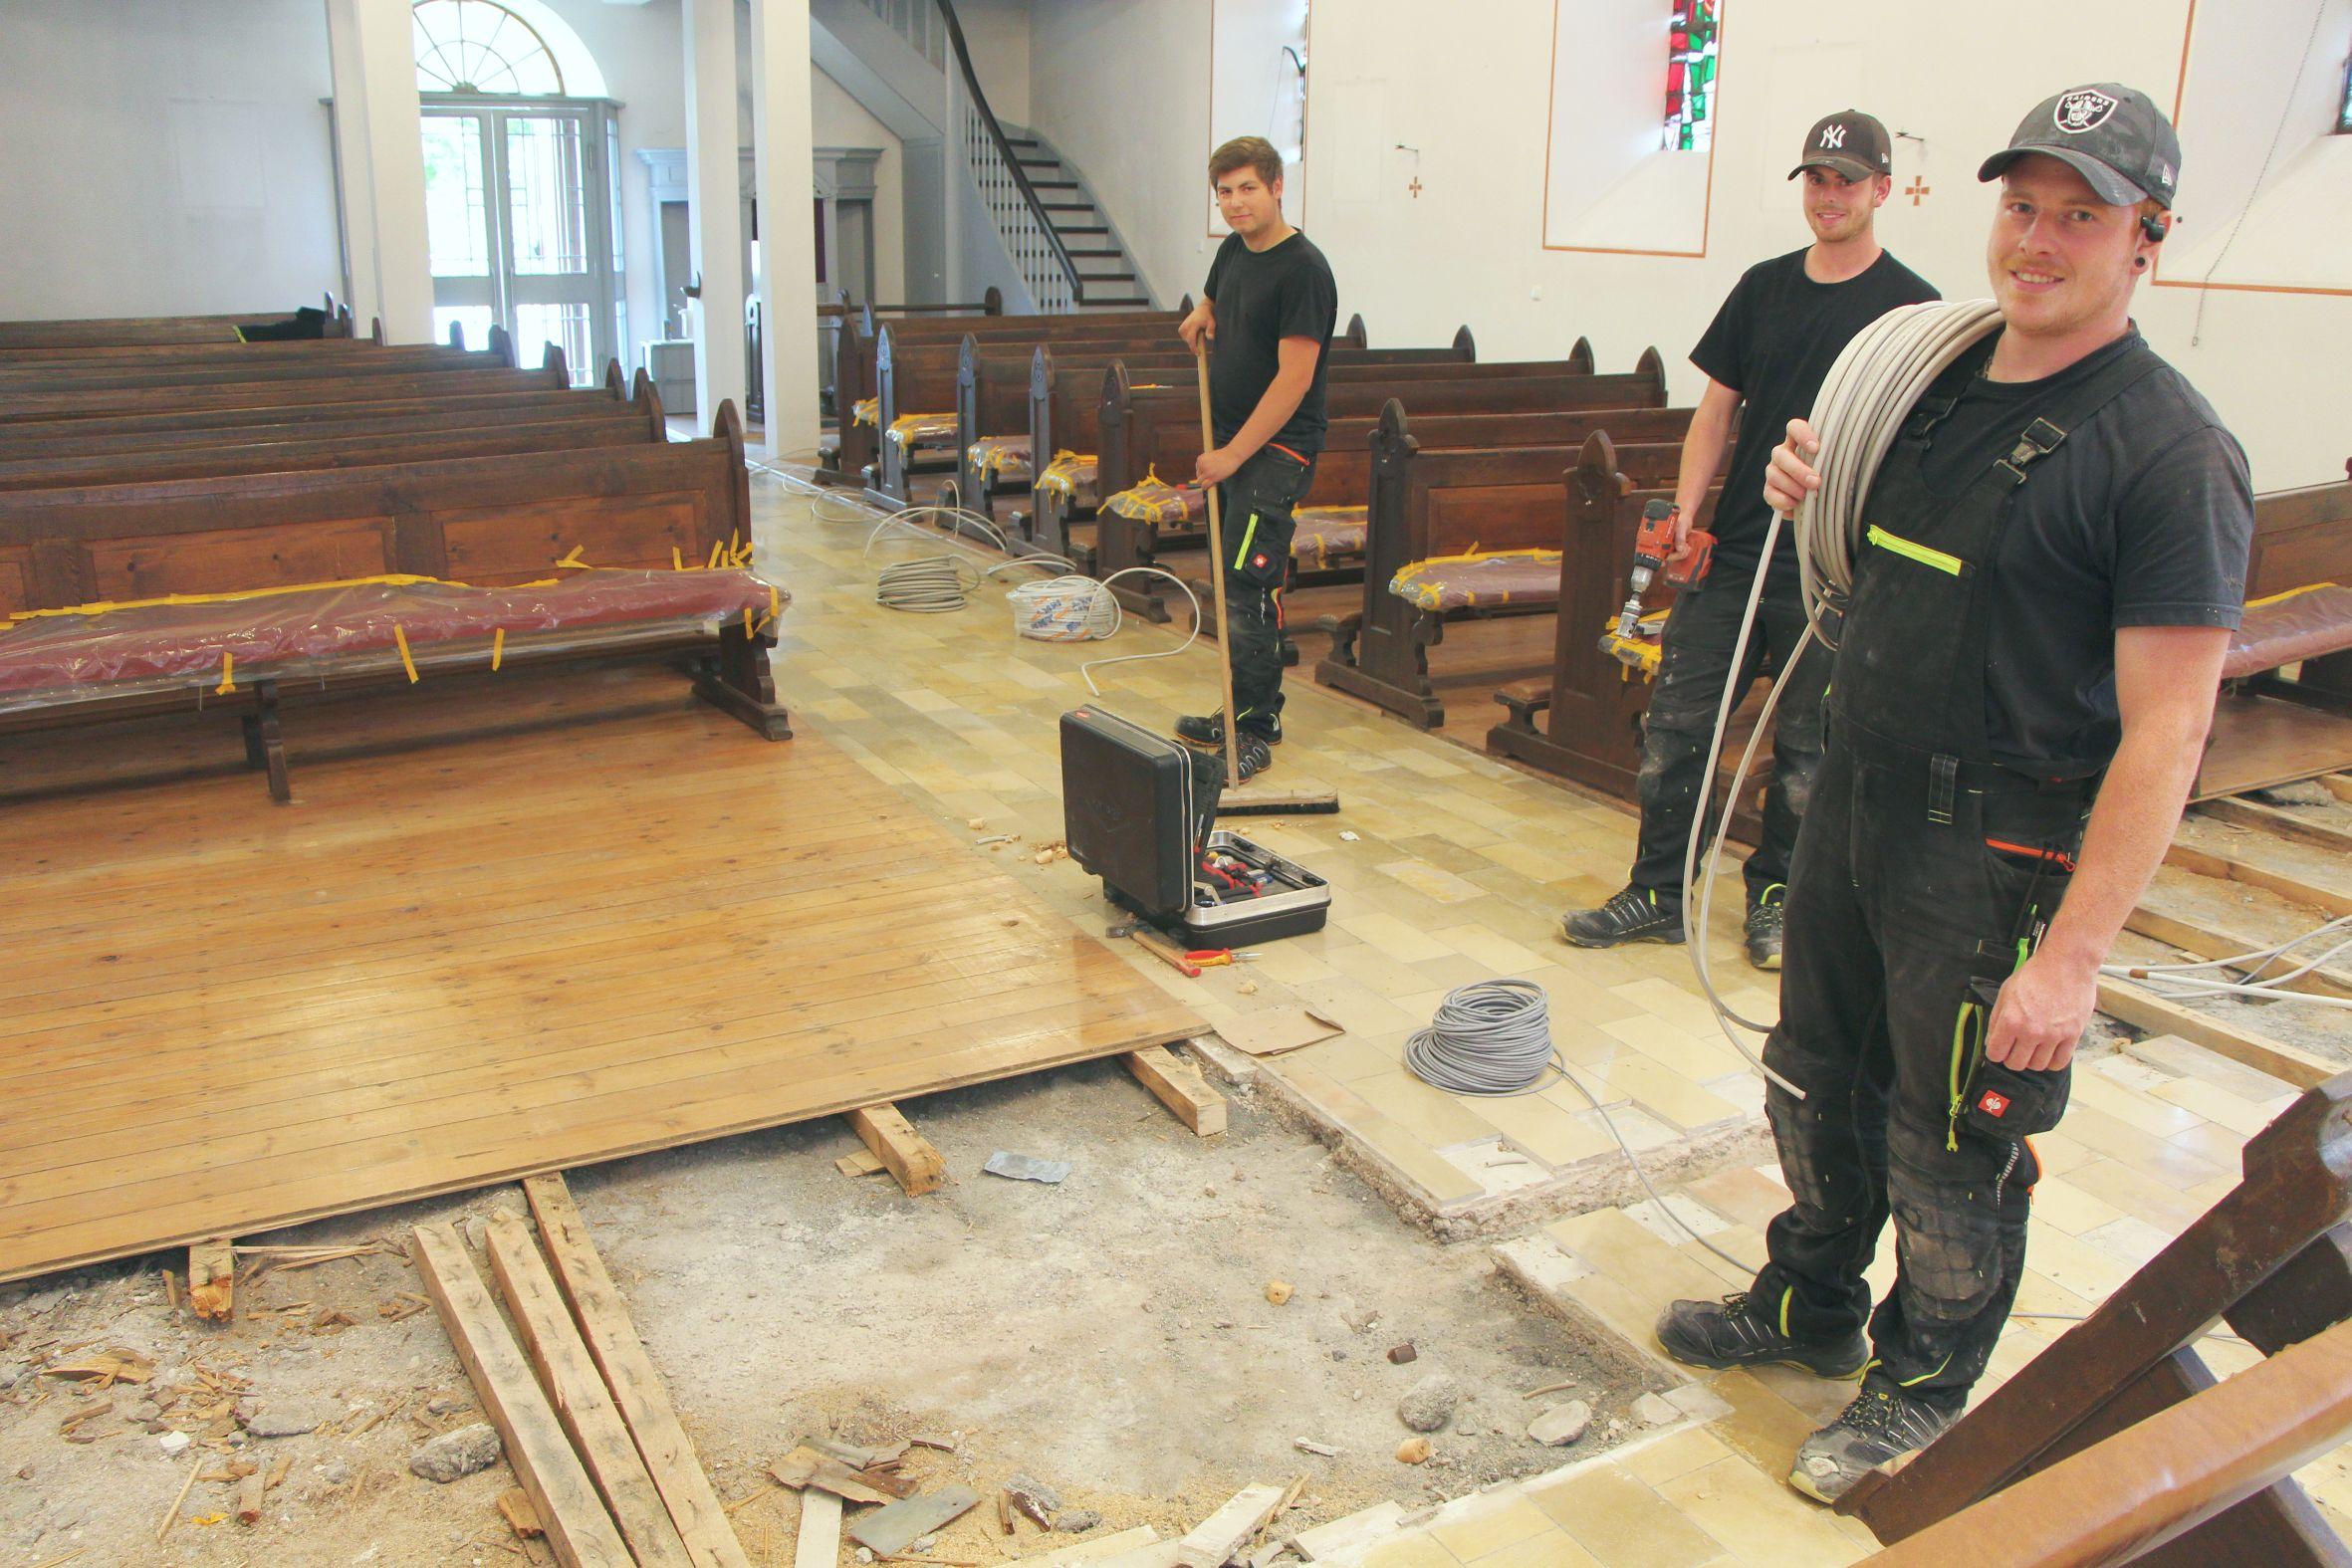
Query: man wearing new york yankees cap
x=2055 y=553
x=1765 y=355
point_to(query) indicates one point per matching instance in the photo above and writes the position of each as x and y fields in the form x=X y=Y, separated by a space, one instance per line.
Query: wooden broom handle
x=1233 y=722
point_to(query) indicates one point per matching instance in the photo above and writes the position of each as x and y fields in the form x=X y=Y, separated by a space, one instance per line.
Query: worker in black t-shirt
x=2055 y=553
x=1764 y=357
x=1269 y=307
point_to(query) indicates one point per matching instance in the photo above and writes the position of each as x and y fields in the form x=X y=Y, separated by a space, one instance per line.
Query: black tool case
x=1137 y=809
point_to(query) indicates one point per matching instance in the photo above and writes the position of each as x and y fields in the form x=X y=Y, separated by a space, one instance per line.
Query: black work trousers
x=1258 y=524
x=1891 y=916
x=1694 y=663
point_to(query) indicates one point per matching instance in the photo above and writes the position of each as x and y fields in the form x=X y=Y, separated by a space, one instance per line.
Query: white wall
x=166 y=157
x=997 y=32
x=842 y=121
x=1254 y=89
x=1470 y=248
x=1611 y=181
x=1122 y=90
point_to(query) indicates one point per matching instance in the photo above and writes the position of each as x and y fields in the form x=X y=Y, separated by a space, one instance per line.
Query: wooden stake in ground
x=904 y=1153
x=1232 y=752
x=613 y=1340
x=211 y=1272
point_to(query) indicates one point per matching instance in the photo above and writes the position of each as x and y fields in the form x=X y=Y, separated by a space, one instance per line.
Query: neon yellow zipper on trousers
x=1959 y=1057
x=1916 y=551
x=1247 y=535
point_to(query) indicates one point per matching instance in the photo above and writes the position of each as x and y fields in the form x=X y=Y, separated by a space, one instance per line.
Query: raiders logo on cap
x=2084 y=109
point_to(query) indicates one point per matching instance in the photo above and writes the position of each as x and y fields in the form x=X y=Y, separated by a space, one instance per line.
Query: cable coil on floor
x=1490 y=1038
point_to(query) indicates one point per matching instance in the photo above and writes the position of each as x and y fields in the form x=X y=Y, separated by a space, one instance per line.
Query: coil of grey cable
x=1492 y=1038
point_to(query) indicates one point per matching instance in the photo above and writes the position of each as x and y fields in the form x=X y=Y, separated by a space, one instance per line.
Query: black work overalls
x=1922 y=874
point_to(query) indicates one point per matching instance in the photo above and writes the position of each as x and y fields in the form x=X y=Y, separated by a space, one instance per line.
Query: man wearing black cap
x=1765 y=355
x=2055 y=553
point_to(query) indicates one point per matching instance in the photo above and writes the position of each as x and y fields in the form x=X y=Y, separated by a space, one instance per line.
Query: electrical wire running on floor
x=1067 y=607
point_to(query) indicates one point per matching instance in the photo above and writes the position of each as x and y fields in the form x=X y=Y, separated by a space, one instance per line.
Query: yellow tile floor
x=1449 y=868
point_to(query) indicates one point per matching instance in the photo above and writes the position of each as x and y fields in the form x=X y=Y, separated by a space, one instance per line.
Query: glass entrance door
x=519 y=213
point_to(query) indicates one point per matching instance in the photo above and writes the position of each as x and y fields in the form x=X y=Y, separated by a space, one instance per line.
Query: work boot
x=1254 y=753
x=1208 y=729
x=1635 y=915
x=1879 y=1427
x=1741 y=1331
x=1765 y=919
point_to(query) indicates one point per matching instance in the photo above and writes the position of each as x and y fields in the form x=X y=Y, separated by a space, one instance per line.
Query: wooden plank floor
x=446 y=965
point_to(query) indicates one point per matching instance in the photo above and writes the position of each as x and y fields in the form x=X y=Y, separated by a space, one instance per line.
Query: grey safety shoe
x=1636 y=914
x=1763 y=926
x=1741 y=1331
x=1879 y=1427
x=1252 y=752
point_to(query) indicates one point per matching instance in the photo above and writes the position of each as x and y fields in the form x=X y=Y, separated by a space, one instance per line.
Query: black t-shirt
x=2143 y=517
x=1261 y=298
x=1773 y=342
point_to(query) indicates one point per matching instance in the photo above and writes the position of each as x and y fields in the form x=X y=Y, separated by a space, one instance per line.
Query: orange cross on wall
x=1916 y=190
x=1415 y=187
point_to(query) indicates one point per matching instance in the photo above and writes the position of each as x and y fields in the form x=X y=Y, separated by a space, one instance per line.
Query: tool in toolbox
x=1653 y=550
x=1139 y=810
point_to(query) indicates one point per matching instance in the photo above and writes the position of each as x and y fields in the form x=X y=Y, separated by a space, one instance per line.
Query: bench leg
x=742 y=685
x=265 y=745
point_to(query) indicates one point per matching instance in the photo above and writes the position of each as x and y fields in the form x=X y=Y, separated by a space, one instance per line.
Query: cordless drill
x=1653 y=543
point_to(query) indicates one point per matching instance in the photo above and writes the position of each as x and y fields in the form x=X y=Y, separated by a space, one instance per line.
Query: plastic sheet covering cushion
x=1154 y=499
x=1328 y=535
x=924 y=430
x=2302 y=623
x=1445 y=583
x=1071 y=475
x=1004 y=458
x=866 y=411
x=220 y=641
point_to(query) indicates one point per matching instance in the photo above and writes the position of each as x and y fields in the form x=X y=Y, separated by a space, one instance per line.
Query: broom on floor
x=1240 y=800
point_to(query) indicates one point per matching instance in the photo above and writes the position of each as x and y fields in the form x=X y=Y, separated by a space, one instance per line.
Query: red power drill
x=1653 y=543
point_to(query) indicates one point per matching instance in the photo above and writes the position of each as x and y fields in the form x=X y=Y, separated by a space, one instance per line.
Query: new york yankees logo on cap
x=1849 y=143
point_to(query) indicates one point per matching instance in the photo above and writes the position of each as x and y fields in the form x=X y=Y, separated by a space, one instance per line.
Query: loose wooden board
x=479 y=955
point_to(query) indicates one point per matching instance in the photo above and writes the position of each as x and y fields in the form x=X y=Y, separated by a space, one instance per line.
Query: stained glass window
x=478 y=46
x=2344 y=111
x=1689 y=74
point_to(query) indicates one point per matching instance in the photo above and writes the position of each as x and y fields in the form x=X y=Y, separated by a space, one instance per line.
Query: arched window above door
x=501 y=48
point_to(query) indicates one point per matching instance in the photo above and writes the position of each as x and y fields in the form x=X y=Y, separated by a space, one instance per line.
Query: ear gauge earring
x=2140 y=262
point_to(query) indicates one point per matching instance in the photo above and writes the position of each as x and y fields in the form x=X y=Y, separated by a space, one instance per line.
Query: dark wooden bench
x=854 y=378
x=478 y=522
x=1140 y=428
x=831 y=311
x=205 y=427
x=1582 y=721
x=427 y=385
x=999 y=400
x=2272 y=724
x=110 y=331
x=28 y=380
x=1475 y=536
x=918 y=392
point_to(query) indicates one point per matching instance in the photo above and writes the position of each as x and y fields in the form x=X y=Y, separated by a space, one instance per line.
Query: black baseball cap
x=1848 y=142
x=2110 y=134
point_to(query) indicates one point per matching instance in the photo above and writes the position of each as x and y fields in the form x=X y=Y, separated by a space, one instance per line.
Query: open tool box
x=1139 y=810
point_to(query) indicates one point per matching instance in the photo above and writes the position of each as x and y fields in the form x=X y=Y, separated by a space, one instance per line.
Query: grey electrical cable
x=1490 y=1038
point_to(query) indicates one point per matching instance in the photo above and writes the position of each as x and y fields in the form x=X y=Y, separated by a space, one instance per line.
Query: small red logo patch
x=1993 y=1102
x=1258 y=561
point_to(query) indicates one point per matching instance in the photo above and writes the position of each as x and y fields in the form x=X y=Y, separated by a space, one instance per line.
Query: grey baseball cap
x=1849 y=142
x=2110 y=134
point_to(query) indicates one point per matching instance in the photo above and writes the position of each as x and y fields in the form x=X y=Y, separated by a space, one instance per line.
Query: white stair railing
x=1038 y=256
x=916 y=21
